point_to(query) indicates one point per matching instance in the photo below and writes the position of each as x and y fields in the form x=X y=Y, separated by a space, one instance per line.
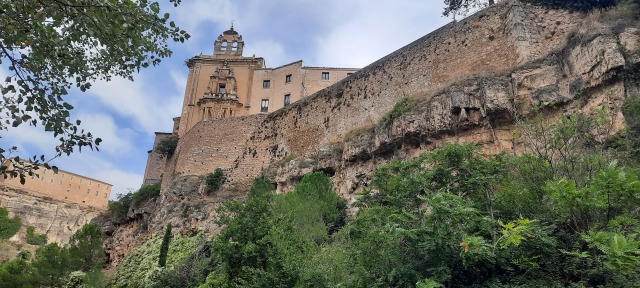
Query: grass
x=402 y=107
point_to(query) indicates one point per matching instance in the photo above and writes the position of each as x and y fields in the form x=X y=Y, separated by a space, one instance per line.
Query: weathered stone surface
x=470 y=80
x=56 y=218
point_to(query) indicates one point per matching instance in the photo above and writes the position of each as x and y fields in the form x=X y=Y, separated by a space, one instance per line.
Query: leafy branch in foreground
x=51 y=46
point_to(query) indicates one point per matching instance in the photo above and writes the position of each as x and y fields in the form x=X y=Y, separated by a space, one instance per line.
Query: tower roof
x=230 y=31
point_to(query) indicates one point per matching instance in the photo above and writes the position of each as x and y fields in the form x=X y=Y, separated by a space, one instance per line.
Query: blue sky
x=125 y=114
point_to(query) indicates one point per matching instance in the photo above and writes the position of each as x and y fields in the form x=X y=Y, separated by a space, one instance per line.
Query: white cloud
x=116 y=140
x=273 y=53
x=373 y=31
x=30 y=140
x=191 y=14
x=150 y=108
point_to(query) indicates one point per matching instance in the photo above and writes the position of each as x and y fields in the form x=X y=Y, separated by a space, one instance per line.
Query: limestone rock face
x=60 y=220
x=470 y=80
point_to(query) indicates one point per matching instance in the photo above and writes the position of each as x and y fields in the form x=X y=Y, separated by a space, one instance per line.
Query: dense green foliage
x=449 y=218
x=164 y=247
x=8 y=226
x=34 y=238
x=52 y=46
x=85 y=247
x=145 y=193
x=117 y=210
x=52 y=265
x=214 y=181
x=166 y=146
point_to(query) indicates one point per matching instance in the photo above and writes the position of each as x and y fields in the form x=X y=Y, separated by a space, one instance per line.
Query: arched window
x=234 y=46
x=224 y=46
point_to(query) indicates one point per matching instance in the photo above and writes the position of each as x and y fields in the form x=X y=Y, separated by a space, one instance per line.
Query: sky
x=125 y=114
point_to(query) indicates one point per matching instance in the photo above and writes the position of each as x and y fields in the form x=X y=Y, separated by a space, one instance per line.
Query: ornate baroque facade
x=227 y=84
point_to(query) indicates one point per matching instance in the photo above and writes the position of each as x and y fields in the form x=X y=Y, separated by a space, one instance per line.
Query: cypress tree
x=164 y=248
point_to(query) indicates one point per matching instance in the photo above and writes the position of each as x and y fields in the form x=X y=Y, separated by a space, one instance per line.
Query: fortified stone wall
x=210 y=145
x=481 y=45
x=490 y=42
x=156 y=162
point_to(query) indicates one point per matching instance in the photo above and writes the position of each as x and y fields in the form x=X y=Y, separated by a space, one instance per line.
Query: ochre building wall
x=65 y=186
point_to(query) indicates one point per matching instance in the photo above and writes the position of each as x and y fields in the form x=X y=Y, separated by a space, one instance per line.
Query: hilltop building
x=65 y=186
x=227 y=84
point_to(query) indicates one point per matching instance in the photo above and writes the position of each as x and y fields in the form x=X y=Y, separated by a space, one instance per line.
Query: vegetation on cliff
x=117 y=210
x=53 y=265
x=8 y=226
x=567 y=214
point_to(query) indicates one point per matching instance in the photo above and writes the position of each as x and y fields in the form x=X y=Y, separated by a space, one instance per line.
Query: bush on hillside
x=8 y=226
x=117 y=210
x=35 y=238
x=214 y=181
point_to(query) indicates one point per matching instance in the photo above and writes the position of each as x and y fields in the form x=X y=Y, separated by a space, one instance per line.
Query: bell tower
x=228 y=45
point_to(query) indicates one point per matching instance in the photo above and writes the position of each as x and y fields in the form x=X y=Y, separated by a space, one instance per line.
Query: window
x=264 y=105
x=105 y=195
x=71 y=177
x=51 y=180
x=80 y=180
x=266 y=84
x=287 y=79
x=222 y=89
x=88 y=190
x=67 y=190
x=60 y=184
x=287 y=99
x=89 y=183
x=325 y=75
x=96 y=193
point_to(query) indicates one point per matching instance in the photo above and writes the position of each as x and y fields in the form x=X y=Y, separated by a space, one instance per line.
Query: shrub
x=214 y=181
x=403 y=106
x=166 y=146
x=25 y=255
x=145 y=193
x=34 y=238
x=8 y=227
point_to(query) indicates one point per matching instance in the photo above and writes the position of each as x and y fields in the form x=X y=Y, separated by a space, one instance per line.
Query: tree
x=85 y=248
x=52 y=46
x=164 y=248
x=214 y=181
x=166 y=146
x=462 y=7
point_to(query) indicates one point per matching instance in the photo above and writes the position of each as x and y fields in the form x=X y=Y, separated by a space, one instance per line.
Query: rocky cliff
x=60 y=220
x=468 y=81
